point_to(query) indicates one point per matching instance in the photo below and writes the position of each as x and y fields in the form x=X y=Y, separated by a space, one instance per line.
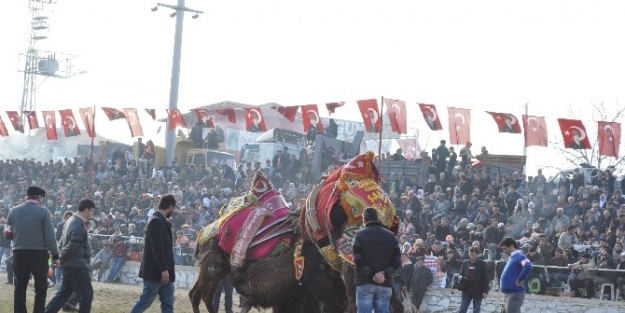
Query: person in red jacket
x=120 y=255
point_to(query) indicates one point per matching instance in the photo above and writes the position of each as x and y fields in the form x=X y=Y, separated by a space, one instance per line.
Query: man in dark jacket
x=422 y=278
x=157 y=265
x=475 y=272
x=75 y=258
x=377 y=257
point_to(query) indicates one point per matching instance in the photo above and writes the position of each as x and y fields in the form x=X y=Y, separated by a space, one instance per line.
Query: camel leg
x=195 y=295
x=244 y=304
x=350 y=286
x=396 y=305
x=209 y=293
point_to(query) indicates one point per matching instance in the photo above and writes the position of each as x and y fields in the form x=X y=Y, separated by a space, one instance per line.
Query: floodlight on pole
x=179 y=10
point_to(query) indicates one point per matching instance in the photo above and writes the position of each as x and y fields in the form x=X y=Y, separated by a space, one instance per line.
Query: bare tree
x=598 y=112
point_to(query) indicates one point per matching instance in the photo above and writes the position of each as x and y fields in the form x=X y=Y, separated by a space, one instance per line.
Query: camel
x=333 y=214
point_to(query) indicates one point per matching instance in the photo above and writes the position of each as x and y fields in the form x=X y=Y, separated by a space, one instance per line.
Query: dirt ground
x=113 y=298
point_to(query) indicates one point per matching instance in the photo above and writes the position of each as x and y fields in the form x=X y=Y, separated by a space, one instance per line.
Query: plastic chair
x=602 y=291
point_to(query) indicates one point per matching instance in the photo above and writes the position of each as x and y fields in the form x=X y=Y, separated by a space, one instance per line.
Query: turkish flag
x=507 y=123
x=609 y=134
x=113 y=114
x=70 y=127
x=310 y=117
x=535 y=131
x=430 y=114
x=333 y=105
x=397 y=115
x=459 y=126
x=230 y=113
x=32 y=119
x=370 y=115
x=50 y=120
x=176 y=119
x=574 y=134
x=133 y=122
x=152 y=113
x=86 y=114
x=289 y=112
x=16 y=121
x=3 y=129
x=254 y=121
x=410 y=147
x=204 y=118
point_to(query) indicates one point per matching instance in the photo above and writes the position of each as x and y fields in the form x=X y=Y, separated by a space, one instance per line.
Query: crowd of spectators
x=573 y=225
x=556 y=223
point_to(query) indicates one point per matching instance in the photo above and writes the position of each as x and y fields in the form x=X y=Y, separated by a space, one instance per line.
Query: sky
x=486 y=55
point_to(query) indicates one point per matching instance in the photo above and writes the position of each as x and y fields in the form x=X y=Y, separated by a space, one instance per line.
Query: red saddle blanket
x=262 y=232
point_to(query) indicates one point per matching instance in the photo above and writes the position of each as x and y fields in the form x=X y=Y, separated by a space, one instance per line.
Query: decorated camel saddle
x=333 y=211
x=254 y=226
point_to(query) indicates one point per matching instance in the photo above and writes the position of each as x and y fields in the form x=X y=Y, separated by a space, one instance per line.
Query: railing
x=183 y=254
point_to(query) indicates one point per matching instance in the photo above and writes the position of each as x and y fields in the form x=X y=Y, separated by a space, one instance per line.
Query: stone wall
x=438 y=300
x=129 y=274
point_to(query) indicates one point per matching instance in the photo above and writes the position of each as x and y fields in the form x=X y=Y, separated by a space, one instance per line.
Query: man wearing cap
x=75 y=258
x=621 y=280
x=377 y=257
x=30 y=227
x=583 y=277
x=422 y=278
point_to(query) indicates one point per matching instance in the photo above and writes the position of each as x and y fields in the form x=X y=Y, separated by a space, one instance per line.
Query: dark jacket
x=74 y=244
x=158 y=253
x=478 y=282
x=375 y=250
x=422 y=278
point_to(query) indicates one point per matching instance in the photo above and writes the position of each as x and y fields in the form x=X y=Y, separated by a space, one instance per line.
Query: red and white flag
x=16 y=121
x=506 y=123
x=289 y=112
x=459 y=126
x=535 y=131
x=254 y=121
x=152 y=113
x=410 y=147
x=32 y=119
x=574 y=134
x=86 y=114
x=70 y=127
x=133 y=122
x=113 y=114
x=204 y=118
x=3 y=129
x=609 y=134
x=50 y=120
x=370 y=115
x=333 y=105
x=430 y=115
x=397 y=115
x=228 y=112
x=310 y=117
x=176 y=119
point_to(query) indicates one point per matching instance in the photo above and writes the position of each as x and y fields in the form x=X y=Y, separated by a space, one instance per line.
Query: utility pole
x=179 y=10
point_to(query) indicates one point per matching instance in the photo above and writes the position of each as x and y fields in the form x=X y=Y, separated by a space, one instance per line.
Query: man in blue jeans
x=157 y=265
x=226 y=287
x=120 y=255
x=476 y=288
x=377 y=257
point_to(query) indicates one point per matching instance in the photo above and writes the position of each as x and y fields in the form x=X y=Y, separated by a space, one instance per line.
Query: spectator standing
x=157 y=265
x=75 y=258
x=5 y=244
x=226 y=287
x=422 y=278
x=476 y=289
x=512 y=279
x=377 y=258
x=30 y=248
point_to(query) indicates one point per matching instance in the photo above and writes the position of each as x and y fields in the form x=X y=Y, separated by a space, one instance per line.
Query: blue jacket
x=518 y=267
